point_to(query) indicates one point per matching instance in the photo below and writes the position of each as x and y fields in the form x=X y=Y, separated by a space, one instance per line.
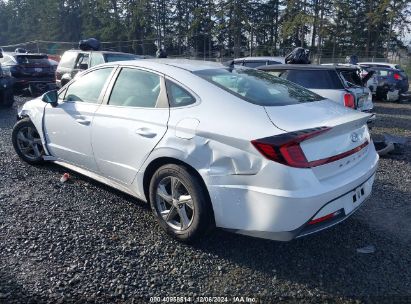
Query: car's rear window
x=119 y=57
x=32 y=59
x=258 y=87
x=351 y=77
x=315 y=79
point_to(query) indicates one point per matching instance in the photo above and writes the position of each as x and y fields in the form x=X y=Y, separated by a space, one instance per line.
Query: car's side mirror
x=83 y=66
x=50 y=97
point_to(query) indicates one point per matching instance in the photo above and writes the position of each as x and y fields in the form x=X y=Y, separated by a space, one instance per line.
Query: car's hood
x=313 y=114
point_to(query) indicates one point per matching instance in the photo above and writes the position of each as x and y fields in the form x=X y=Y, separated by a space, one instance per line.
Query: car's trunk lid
x=34 y=65
x=348 y=128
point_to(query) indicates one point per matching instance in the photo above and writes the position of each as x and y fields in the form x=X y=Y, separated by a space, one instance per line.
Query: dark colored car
x=341 y=84
x=6 y=87
x=392 y=83
x=30 y=71
x=75 y=61
x=253 y=62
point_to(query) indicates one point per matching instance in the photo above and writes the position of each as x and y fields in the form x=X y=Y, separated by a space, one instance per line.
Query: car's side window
x=68 y=59
x=82 y=61
x=135 y=88
x=177 y=96
x=88 y=87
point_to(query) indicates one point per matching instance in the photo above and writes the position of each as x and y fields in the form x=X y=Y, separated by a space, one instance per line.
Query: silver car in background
x=341 y=84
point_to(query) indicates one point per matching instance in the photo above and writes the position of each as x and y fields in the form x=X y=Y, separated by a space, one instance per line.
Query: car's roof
x=304 y=67
x=262 y=58
x=24 y=54
x=384 y=68
x=378 y=63
x=102 y=52
x=185 y=64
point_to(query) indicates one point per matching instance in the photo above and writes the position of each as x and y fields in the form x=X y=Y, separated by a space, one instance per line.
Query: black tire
x=202 y=216
x=19 y=145
x=7 y=98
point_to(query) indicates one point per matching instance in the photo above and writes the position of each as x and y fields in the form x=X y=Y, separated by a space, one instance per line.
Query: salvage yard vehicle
x=75 y=61
x=341 y=84
x=6 y=87
x=253 y=62
x=381 y=65
x=392 y=83
x=32 y=72
x=207 y=145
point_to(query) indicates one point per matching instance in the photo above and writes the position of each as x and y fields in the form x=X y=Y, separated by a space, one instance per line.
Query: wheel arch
x=160 y=161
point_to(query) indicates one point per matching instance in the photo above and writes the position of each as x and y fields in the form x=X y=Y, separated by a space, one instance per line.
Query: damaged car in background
x=339 y=83
x=392 y=84
x=87 y=56
x=207 y=146
x=32 y=73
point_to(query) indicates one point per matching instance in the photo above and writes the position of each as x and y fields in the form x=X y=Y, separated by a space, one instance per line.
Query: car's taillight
x=349 y=100
x=286 y=149
x=397 y=76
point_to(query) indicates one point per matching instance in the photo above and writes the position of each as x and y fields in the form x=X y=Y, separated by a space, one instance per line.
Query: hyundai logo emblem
x=354 y=137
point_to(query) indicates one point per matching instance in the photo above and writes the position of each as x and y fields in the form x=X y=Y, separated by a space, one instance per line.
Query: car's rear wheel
x=27 y=142
x=180 y=202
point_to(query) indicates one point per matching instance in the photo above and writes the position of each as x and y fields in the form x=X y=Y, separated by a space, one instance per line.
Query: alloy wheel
x=29 y=143
x=174 y=203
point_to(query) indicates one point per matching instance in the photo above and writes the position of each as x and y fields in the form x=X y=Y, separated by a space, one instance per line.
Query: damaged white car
x=207 y=146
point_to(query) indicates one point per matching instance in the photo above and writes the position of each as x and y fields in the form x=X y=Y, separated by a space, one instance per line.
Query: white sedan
x=207 y=146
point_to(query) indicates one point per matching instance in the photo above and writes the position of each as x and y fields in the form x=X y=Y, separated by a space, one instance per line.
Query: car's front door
x=68 y=125
x=130 y=123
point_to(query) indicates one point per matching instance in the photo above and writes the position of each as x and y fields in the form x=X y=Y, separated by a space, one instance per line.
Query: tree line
x=214 y=28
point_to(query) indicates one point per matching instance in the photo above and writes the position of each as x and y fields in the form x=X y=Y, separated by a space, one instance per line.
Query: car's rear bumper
x=286 y=214
x=23 y=83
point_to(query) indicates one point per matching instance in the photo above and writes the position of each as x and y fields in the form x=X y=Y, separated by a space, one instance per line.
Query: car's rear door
x=68 y=125
x=130 y=123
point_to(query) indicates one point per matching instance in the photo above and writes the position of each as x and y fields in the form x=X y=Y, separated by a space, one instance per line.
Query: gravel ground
x=84 y=242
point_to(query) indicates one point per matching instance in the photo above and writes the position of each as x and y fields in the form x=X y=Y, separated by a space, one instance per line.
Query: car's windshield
x=258 y=87
x=119 y=57
x=32 y=59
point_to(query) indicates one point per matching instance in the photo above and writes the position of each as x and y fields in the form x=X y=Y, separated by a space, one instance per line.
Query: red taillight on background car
x=285 y=148
x=397 y=76
x=349 y=100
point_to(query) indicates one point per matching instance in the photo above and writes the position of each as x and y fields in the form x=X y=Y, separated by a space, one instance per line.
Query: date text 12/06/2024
x=203 y=299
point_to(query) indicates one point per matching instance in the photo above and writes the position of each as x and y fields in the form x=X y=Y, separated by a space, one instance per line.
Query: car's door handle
x=83 y=121
x=145 y=132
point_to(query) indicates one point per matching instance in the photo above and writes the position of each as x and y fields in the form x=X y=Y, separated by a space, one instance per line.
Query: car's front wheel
x=180 y=202
x=27 y=142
